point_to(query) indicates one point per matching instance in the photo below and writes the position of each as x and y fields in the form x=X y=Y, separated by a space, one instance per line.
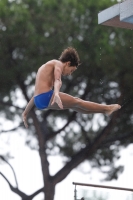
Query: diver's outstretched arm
x=27 y=110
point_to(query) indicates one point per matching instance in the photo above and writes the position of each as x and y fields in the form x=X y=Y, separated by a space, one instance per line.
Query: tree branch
x=118 y=138
x=15 y=190
x=36 y=193
x=84 y=153
x=11 y=169
x=19 y=192
x=53 y=134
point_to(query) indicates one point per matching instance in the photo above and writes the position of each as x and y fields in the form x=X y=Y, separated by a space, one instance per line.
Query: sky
x=26 y=163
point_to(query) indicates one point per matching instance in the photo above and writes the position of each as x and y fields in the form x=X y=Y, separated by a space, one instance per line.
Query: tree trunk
x=49 y=186
x=49 y=190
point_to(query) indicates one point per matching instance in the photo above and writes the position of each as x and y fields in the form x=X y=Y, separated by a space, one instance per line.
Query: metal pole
x=75 y=193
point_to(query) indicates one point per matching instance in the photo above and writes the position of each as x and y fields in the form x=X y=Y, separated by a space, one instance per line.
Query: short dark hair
x=70 y=54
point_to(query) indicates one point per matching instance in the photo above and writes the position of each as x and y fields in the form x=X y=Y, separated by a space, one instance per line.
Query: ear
x=69 y=63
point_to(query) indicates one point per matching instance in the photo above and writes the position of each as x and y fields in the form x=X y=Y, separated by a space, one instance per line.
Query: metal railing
x=98 y=186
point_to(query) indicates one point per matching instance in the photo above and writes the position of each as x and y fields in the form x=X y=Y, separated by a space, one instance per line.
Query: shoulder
x=52 y=65
x=48 y=64
x=57 y=64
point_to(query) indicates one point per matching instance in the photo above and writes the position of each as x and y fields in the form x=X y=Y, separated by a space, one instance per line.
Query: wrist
x=56 y=93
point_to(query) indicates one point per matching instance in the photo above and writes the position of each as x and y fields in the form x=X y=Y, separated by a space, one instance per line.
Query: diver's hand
x=57 y=100
x=24 y=117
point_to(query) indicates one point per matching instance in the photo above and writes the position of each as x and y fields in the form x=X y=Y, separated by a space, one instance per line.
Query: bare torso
x=45 y=77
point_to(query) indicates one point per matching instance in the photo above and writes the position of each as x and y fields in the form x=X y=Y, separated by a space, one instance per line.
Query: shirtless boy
x=49 y=76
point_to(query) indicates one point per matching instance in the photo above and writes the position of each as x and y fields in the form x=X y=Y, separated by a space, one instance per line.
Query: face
x=68 y=70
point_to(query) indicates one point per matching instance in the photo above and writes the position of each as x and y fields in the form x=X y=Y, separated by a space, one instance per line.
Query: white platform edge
x=126 y=11
x=108 y=13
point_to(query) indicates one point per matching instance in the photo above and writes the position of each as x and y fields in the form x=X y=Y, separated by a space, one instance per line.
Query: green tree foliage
x=32 y=32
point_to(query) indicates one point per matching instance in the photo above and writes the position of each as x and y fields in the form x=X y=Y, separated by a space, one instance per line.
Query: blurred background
x=63 y=146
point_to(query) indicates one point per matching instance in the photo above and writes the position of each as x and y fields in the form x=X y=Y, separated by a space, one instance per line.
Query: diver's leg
x=70 y=102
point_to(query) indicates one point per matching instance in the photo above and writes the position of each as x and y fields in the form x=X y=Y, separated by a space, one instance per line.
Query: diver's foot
x=112 y=108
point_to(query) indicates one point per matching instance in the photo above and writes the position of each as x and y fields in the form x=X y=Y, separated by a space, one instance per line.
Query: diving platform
x=119 y=15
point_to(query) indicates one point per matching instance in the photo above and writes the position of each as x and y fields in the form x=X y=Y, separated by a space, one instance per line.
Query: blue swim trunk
x=42 y=100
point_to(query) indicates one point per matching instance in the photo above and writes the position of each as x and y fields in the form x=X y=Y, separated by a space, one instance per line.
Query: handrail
x=103 y=186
